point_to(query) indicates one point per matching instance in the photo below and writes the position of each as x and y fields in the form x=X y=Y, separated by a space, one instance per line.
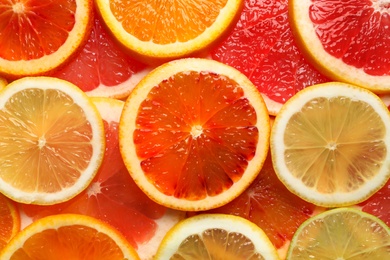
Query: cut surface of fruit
x=161 y=30
x=3 y=83
x=38 y=36
x=268 y=204
x=51 y=140
x=216 y=236
x=101 y=68
x=346 y=40
x=262 y=46
x=68 y=236
x=9 y=220
x=113 y=197
x=330 y=144
x=194 y=133
x=342 y=233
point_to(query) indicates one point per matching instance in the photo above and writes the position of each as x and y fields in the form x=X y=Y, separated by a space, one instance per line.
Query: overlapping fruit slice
x=9 y=220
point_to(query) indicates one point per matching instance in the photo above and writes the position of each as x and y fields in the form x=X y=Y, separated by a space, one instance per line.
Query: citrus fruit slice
x=101 y=68
x=3 y=83
x=68 y=236
x=268 y=204
x=330 y=144
x=194 y=133
x=216 y=236
x=160 y=31
x=342 y=233
x=9 y=220
x=347 y=41
x=38 y=36
x=113 y=197
x=262 y=46
x=51 y=139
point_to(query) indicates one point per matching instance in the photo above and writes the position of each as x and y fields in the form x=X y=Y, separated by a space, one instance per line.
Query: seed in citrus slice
x=51 y=140
x=194 y=133
x=9 y=220
x=113 y=197
x=164 y=30
x=346 y=40
x=216 y=236
x=342 y=233
x=330 y=144
x=68 y=236
x=37 y=37
x=262 y=46
x=268 y=204
x=101 y=68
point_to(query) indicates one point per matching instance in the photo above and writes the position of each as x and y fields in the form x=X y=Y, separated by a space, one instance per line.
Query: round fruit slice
x=194 y=134
x=162 y=30
x=330 y=144
x=68 y=236
x=347 y=41
x=342 y=233
x=3 y=83
x=262 y=46
x=101 y=68
x=51 y=139
x=216 y=236
x=114 y=197
x=38 y=36
x=9 y=220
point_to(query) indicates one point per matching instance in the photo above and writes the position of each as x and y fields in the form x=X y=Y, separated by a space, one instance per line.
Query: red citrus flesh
x=100 y=62
x=112 y=197
x=262 y=47
x=356 y=31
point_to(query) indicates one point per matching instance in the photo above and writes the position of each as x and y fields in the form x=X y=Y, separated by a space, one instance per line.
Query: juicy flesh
x=216 y=244
x=7 y=221
x=356 y=31
x=32 y=29
x=45 y=141
x=195 y=135
x=174 y=20
x=335 y=145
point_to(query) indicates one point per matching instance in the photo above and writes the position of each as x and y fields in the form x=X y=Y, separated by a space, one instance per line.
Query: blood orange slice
x=263 y=47
x=194 y=133
x=102 y=68
x=37 y=36
x=347 y=40
x=113 y=197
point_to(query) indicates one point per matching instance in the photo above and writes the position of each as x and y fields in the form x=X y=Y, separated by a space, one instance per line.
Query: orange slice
x=9 y=220
x=68 y=236
x=346 y=40
x=38 y=36
x=3 y=83
x=194 y=134
x=330 y=144
x=51 y=139
x=216 y=236
x=156 y=30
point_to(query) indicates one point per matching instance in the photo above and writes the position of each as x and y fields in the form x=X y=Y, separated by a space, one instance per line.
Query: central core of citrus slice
x=18 y=8
x=382 y=6
x=196 y=131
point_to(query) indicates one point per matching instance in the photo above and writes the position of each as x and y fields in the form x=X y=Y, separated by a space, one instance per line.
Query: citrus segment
x=51 y=140
x=347 y=41
x=216 y=236
x=68 y=236
x=113 y=197
x=330 y=144
x=342 y=233
x=262 y=46
x=101 y=68
x=161 y=30
x=194 y=134
x=39 y=36
x=9 y=220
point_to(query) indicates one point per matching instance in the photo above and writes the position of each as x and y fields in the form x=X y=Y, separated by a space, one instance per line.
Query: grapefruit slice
x=346 y=40
x=9 y=220
x=38 y=36
x=113 y=197
x=194 y=133
x=101 y=68
x=262 y=46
